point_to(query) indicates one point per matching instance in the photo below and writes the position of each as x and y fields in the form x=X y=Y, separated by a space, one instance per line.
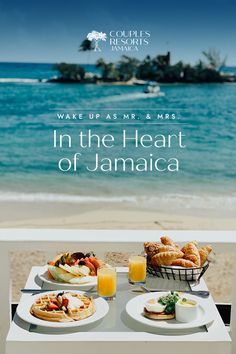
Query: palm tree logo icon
x=96 y=37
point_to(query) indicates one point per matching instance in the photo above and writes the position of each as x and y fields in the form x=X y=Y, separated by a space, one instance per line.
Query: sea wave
x=4 y=80
x=128 y=97
x=193 y=201
x=164 y=200
x=66 y=198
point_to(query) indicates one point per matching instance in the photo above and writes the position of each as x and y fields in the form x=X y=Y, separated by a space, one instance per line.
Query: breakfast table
x=116 y=332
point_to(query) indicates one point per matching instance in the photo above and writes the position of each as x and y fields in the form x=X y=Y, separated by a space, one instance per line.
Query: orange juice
x=106 y=282
x=137 y=269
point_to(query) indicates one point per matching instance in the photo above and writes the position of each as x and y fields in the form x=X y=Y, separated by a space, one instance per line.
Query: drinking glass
x=106 y=287
x=137 y=269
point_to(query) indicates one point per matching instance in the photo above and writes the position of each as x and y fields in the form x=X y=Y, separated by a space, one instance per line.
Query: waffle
x=39 y=309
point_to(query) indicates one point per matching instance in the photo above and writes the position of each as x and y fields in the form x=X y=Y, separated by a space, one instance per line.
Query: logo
x=121 y=40
x=96 y=37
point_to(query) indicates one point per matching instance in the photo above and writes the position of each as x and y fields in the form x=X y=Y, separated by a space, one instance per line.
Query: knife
x=38 y=291
x=200 y=293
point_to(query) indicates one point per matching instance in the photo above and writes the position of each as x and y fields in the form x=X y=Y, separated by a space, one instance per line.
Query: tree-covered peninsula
x=129 y=70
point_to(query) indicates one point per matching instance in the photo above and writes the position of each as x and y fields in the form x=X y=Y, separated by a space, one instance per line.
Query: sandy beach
x=111 y=216
x=107 y=216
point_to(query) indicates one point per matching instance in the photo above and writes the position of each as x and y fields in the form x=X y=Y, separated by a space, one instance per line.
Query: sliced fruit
x=81 y=280
x=66 y=277
x=83 y=270
x=65 y=302
x=78 y=255
x=91 y=266
x=96 y=262
x=59 y=274
x=52 y=306
x=67 y=268
x=55 y=259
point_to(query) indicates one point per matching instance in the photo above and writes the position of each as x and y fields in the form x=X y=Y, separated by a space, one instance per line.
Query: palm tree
x=86 y=45
x=127 y=67
x=109 y=70
x=214 y=59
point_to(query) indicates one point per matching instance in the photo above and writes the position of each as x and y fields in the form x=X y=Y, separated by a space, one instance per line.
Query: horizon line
x=70 y=62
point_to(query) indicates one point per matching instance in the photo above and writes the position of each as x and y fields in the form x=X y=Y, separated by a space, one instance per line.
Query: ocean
x=29 y=162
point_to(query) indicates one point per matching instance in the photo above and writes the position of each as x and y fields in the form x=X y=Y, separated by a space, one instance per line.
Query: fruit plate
x=135 y=307
x=85 y=282
x=23 y=311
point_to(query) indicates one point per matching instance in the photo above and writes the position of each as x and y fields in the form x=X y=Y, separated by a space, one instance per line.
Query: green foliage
x=163 y=61
x=70 y=72
x=86 y=45
x=157 y=69
x=171 y=73
x=127 y=67
x=214 y=60
x=109 y=71
x=147 y=70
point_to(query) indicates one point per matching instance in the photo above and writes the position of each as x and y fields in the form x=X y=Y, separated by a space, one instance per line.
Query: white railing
x=101 y=241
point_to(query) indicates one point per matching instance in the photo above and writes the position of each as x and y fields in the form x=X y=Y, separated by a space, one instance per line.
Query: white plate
x=23 y=311
x=43 y=275
x=135 y=307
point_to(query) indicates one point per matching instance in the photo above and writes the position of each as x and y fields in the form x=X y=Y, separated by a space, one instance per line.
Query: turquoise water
x=28 y=164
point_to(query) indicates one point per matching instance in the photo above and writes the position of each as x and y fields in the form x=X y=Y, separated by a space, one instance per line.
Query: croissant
x=168 y=242
x=166 y=258
x=165 y=248
x=204 y=253
x=151 y=248
x=180 y=262
x=183 y=249
x=191 y=253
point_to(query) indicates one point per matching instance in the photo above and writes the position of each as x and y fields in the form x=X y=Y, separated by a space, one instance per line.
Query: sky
x=51 y=31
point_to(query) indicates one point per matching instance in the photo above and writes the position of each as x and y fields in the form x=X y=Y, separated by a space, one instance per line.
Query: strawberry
x=52 y=306
x=65 y=302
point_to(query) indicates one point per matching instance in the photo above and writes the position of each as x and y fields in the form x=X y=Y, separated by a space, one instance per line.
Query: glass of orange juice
x=137 y=269
x=106 y=283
